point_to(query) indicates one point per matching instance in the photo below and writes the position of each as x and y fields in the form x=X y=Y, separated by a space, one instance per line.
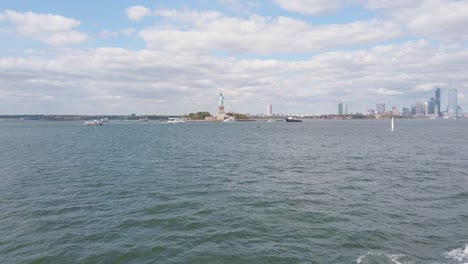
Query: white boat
x=143 y=119
x=393 y=125
x=270 y=120
x=230 y=119
x=94 y=123
x=175 y=120
x=293 y=119
x=105 y=119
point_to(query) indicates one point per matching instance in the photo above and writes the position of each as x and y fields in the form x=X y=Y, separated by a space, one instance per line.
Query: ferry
x=175 y=120
x=293 y=119
x=94 y=123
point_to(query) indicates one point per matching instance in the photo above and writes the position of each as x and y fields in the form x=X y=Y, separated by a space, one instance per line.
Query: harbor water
x=249 y=192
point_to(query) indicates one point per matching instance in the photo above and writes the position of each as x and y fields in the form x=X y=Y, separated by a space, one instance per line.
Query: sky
x=171 y=57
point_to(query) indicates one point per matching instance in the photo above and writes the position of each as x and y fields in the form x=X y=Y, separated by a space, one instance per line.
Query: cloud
x=193 y=17
x=240 y=6
x=50 y=29
x=443 y=20
x=309 y=7
x=137 y=13
x=384 y=91
x=192 y=31
x=121 y=81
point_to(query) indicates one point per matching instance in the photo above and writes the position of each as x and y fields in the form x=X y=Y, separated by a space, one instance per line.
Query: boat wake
x=458 y=254
x=371 y=258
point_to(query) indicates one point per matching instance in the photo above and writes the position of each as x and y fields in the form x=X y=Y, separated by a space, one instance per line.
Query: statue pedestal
x=221 y=114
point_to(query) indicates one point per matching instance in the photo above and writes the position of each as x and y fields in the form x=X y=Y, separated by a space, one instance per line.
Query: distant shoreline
x=166 y=117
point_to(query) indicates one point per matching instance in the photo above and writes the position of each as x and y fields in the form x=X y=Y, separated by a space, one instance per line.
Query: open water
x=311 y=192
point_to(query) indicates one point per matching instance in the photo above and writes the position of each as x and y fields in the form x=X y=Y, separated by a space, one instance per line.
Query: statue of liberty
x=221 y=98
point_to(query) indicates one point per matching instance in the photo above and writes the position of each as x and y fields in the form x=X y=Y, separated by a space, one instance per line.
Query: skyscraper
x=419 y=108
x=345 y=109
x=270 y=110
x=459 y=111
x=405 y=111
x=340 y=109
x=380 y=108
x=430 y=106
x=452 y=103
x=437 y=102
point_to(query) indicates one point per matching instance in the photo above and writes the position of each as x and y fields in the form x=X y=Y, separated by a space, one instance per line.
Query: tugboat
x=293 y=119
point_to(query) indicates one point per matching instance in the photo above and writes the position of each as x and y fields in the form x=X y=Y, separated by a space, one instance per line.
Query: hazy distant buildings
x=419 y=109
x=452 y=103
x=459 y=111
x=413 y=110
x=405 y=111
x=437 y=102
x=270 y=110
x=380 y=108
x=431 y=106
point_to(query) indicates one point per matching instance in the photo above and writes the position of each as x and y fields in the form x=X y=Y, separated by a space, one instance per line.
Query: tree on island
x=237 y=115
x=198 y=115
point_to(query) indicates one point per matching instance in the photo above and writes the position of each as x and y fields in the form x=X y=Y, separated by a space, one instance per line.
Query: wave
x=381 y=258
x=459 y=254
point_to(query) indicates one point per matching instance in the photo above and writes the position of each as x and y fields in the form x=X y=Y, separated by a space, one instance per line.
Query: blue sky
x=171 y=57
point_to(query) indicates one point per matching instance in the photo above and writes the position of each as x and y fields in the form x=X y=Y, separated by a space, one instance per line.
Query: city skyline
x=168 y=57
x=431 y=107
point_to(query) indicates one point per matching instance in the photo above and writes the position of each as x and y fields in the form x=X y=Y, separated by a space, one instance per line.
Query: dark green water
x=311 y=192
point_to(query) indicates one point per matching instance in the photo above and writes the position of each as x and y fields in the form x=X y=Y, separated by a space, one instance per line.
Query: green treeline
x=237 y=115
x=198 y=115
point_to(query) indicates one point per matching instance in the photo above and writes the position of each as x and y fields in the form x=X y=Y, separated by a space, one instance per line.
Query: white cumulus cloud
x=443 y=20
x=207 y=31
x=137 y=13
x=48 y=28
x=310 y=7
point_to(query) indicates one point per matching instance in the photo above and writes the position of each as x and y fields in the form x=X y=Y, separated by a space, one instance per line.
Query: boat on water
x=393 y=125
x=105 y=119
x=270 y=120
x=94 y=123
x=293 y=119
x=143 y=119
x=175 y=120
x=230 y=119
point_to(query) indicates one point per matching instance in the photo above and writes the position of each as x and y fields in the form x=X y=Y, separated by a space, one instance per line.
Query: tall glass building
x=452 y=103
x=380 y=108
x=340 y=109
x=437 y=101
